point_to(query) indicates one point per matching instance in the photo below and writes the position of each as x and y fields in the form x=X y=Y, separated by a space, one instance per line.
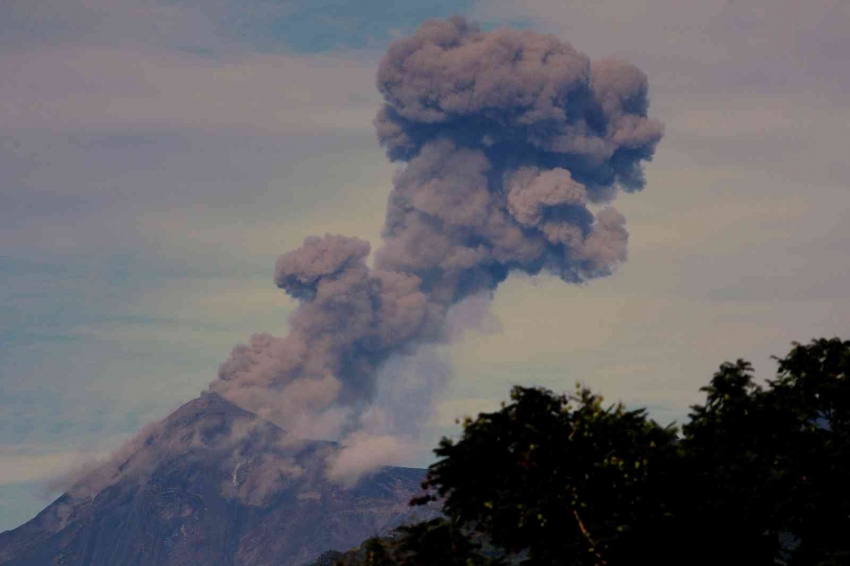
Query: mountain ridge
x=212 y=484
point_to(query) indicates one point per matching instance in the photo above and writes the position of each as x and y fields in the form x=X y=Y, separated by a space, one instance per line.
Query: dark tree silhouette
x=757 y=476
x=767 y=467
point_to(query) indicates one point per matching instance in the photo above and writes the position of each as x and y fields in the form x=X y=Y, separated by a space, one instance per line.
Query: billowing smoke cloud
x=514 y=143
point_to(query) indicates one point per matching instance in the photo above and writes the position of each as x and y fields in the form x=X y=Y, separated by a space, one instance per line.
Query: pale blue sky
x=156 y=160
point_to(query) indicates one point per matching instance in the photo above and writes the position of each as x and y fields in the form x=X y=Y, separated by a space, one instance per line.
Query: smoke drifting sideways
x=514 y=143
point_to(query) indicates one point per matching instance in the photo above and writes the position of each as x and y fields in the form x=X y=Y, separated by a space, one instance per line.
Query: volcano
x=212 y=484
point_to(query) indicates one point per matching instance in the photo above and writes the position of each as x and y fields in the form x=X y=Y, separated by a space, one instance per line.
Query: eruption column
x=512 y=140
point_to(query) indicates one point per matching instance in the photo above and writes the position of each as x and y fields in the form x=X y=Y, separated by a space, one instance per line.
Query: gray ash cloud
x=514 y=145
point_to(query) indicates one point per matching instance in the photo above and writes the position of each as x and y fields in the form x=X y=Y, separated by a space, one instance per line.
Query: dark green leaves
x=759 y=476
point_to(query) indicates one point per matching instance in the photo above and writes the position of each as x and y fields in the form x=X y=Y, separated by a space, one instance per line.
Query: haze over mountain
x=211 y=484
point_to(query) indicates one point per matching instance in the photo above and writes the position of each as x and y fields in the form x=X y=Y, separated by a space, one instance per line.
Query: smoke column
x=514 y=144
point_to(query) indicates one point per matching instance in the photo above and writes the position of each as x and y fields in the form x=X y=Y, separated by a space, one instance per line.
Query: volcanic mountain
x=212 y=484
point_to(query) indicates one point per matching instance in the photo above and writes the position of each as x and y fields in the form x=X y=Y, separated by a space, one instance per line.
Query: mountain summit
x=211 y=484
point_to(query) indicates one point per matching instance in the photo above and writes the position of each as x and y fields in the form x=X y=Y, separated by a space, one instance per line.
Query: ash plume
x=514 y=144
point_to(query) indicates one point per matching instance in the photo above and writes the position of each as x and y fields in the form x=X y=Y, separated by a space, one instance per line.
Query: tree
x=758 y=476
x=568 y=480
x=767 y=467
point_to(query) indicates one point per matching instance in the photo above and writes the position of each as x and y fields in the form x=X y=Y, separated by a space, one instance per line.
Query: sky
x=156 y=157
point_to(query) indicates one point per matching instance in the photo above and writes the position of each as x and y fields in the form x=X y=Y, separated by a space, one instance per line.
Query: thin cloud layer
x=145 y=88
x=210 y=27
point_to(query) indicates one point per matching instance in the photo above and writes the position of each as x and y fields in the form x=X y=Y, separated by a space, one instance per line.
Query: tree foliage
x=767 y=466
x=758 y=476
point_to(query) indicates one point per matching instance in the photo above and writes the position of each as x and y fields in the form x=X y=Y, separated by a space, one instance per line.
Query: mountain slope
x=211 y=484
